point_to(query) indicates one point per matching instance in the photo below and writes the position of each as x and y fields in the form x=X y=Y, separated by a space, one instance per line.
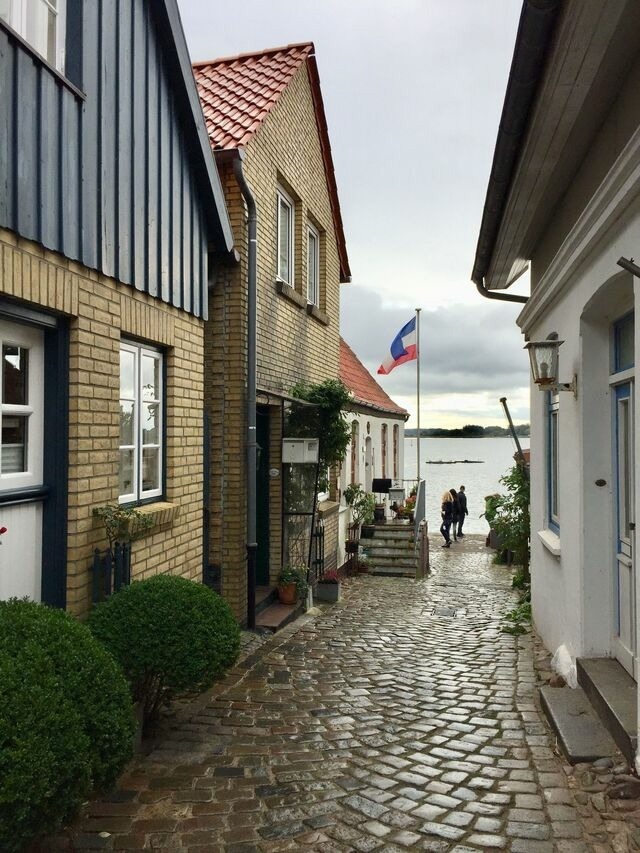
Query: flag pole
x=418 y=387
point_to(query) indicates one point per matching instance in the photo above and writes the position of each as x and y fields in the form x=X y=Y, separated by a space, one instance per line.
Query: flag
x=403 y=347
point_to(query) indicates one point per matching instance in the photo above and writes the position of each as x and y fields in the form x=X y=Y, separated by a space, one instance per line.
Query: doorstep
x=277 y=615
x=581 y=735
x=613 y=694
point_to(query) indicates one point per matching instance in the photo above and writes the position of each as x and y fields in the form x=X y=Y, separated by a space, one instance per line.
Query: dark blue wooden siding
x=109 y=179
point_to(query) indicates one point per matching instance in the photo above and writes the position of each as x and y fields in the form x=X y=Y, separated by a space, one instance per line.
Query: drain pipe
x=498 y=294
x=252 y=444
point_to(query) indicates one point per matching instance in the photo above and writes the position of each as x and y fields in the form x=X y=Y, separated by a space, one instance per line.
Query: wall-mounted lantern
x=543 y=356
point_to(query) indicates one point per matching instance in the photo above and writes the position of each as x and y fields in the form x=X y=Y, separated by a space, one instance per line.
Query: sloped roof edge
x=168 y=16
x=365 y=390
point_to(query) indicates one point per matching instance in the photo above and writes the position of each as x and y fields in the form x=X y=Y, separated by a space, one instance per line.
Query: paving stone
x=374 y=725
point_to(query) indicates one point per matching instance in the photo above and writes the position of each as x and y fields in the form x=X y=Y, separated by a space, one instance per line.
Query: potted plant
x=328 y=588
x=409 y=508
x=362 y=507
x=292 y=584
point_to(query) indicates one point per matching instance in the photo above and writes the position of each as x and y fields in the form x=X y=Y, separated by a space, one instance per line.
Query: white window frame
x=313 y=266
x=138 y=493
x=31 y=339
x=18 y=19
x=287 y=201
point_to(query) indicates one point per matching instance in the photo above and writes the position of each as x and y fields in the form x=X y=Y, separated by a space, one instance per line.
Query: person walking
x=447 y=518
x=462 y=509
x=456 y=514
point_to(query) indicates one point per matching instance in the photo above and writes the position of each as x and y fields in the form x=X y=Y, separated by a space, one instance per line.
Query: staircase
x=391 y=550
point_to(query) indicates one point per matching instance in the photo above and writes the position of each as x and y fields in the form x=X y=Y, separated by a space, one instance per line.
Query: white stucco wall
x=580 y=296
x=369 y=425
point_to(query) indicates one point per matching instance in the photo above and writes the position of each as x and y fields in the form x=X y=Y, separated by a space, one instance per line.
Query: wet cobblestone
x=377 y=725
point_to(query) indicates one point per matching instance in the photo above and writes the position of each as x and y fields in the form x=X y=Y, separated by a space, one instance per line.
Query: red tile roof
x=239 y=92
x=362 y=385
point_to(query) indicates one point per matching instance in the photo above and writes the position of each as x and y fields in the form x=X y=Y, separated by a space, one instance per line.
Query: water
x=495 y=454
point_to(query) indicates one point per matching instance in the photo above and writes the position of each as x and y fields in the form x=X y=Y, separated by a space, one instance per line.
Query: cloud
x=471 y=355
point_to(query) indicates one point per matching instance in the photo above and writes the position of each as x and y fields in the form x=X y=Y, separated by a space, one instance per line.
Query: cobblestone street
x=401 y=718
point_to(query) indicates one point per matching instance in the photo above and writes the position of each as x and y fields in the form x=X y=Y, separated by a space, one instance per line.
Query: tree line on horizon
x=469 y=431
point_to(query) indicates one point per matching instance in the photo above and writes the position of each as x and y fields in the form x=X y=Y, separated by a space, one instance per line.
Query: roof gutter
x=535 y=32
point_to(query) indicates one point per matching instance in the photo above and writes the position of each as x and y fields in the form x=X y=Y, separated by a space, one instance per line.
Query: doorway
x=624 y=530
x=21 y=459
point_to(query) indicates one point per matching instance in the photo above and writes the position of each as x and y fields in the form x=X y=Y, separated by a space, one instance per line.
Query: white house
x=376 y=449
x=563 y=197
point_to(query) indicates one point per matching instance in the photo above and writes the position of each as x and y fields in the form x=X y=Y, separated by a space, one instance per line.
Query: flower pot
x=367 y=531
x=288 y=593
x=329 y=592
x=378 y=514
x=351 y=546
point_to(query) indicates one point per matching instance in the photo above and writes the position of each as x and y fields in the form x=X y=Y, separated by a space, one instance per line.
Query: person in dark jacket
x=447 y=518
x=456 y=514
x=462 y=509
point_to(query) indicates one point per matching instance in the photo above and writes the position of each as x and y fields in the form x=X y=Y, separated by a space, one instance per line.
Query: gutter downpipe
x=252 y=444
x=498 y=294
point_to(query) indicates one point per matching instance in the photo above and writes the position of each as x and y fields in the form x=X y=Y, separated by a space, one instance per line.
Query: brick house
x=265 y=111
x=111 y=215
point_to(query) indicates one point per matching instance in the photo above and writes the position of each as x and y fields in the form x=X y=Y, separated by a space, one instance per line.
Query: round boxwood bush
x=171 y=636
x=66 y=720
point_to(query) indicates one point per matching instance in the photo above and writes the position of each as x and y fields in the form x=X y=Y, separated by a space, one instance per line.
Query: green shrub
x=172 y=636
x=66 y=720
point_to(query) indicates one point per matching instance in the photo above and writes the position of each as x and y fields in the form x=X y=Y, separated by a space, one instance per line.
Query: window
x=355 y=440
x=385 y=442
x=552 y=463
x=396 y=450
x=40 y=23
x=623 y=343
x=141 y=402
x=21 y=405
x=313 y=266
x=285 y=238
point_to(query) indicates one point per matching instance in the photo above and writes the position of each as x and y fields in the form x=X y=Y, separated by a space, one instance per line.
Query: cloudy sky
x=413 y=92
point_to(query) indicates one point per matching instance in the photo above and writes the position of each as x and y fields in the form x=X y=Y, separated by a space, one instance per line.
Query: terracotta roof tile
x=362 y=385
x=249 y=84
x=237 y=95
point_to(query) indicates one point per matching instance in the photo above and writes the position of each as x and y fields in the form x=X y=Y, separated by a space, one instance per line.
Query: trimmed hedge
x=66 y=720
x=171 y=636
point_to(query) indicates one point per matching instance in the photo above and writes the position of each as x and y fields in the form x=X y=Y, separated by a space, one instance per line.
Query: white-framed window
x=286 y=216
x=41 y=23
x=552 y=462
x=141 y=428
x=313 y=266
x=21 y=406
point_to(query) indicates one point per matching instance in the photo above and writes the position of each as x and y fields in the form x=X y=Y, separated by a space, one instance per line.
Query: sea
x=475 y=463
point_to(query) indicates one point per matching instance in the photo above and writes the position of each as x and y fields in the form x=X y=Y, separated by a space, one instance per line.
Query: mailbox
x=299 y=451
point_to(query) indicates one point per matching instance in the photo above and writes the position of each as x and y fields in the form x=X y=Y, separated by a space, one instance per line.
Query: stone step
x=612 y=692
x=386 y=542
x=392 y=569
x=401 y=553
x=392 y=559
x=580 y=732
x=277 y=615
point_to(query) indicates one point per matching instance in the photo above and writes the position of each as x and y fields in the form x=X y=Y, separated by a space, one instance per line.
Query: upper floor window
x=40 y=23
x=384 y=442
x=396 y=450
x=623 y=343
x=313 y=266
x=141 y=402
x=285 y=237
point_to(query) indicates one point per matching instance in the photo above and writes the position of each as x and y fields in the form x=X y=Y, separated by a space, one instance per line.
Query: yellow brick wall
x=291 y=345
x=100 y=312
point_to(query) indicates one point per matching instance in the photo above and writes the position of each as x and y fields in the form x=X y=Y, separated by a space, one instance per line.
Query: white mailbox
x=298 y=451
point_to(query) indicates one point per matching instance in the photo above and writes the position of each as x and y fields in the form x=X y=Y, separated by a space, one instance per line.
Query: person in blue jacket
x=462 y=509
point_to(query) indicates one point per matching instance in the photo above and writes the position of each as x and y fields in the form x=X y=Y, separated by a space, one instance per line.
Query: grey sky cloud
x=413 y=92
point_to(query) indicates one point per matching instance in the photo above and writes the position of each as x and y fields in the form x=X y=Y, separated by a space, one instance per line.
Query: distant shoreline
x=469 y=431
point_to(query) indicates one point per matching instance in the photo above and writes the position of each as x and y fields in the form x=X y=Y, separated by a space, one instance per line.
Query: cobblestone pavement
x=400 y=719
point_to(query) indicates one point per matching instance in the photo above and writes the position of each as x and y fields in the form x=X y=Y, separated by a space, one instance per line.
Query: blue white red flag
x=403 y=348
